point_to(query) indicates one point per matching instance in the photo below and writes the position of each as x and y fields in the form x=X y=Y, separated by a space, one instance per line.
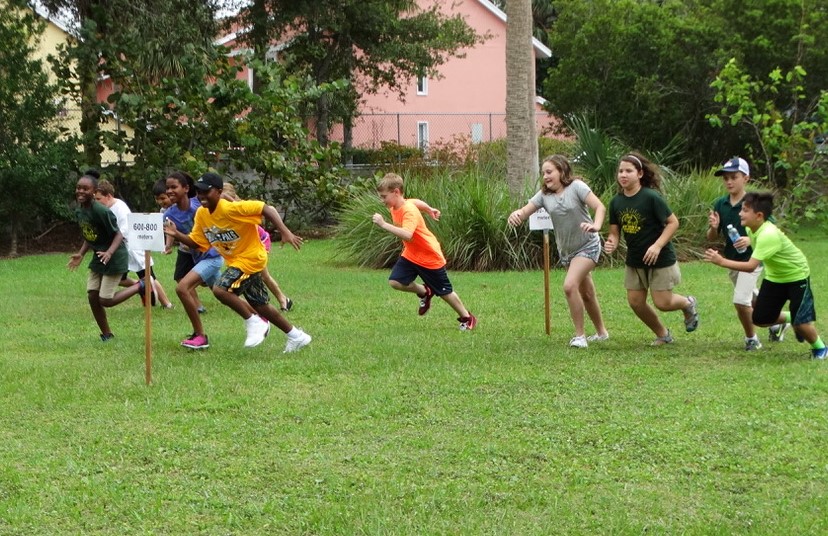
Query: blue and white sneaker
x=819 y=353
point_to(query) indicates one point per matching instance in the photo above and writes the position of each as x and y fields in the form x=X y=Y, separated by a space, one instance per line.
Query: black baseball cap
x=209 y=180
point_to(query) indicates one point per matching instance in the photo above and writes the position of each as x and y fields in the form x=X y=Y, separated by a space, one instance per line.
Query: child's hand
x=610 y=245
x=743 y=242
x=434 y=213
x=74 y=261
x=378 y=219
x=589 y=227
x=713 y=256
x=293 y=240
x=104 y=256
x=169 y=227
x=713 y=219
x=651 y=255
x=515 y=218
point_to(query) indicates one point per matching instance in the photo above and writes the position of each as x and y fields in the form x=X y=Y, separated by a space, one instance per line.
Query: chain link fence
x=371 y=130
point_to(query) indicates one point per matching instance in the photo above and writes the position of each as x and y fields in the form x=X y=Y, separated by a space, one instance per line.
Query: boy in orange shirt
x=421 y=255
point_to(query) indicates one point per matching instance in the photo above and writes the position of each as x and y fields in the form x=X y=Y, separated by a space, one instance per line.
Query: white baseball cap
x=734 y=164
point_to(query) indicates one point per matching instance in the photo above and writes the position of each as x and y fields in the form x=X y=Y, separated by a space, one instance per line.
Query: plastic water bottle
x=733 y=234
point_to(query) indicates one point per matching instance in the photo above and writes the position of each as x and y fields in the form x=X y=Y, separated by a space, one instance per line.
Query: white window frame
x=422 y=136
x=422 y=86
x=476 y=133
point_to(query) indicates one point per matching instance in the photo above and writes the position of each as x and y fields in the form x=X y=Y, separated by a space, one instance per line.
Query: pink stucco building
x=468 y=100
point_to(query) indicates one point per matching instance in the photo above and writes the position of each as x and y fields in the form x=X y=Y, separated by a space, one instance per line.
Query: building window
x=422 y=86
x=422 y=136
x=476 y=132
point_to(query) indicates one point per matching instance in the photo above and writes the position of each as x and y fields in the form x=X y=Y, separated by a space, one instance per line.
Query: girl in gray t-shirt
x=568 y=200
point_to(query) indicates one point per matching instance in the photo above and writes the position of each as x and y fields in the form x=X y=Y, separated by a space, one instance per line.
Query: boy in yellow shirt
x=231 y=228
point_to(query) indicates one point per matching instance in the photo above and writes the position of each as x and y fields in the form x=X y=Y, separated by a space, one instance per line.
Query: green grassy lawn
x=390 y=423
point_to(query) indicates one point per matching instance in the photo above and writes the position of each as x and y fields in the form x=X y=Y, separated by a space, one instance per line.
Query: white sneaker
x=578 y=342
x=257 y=330
x=598 y=337
x=294 y=344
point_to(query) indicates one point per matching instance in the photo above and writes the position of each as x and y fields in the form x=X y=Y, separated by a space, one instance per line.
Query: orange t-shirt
x=232 y=228
x=423 y=249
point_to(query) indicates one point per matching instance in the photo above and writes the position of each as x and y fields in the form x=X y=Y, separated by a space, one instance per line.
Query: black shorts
x=251 y=286
x=183 y=264
x=405 y=271
x=140 y=274
x=772 y=298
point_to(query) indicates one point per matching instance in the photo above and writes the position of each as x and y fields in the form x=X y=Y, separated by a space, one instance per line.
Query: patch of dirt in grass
x=64 y=237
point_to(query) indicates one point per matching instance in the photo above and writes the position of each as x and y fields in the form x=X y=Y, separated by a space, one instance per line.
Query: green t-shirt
x=784 y=262
x=642 y=219
x=729 y=215
x=99 y=227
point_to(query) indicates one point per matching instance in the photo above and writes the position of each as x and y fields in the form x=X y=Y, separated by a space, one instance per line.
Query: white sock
x=294 y=333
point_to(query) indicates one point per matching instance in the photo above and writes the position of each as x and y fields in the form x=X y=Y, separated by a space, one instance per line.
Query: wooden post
x=148 y=317
x=546 y=305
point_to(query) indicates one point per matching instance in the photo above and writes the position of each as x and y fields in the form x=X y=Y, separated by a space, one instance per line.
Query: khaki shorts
x=744 y=285
x=105 y=284
x=654 y=279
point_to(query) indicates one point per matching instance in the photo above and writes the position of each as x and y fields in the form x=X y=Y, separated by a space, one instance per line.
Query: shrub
x=472 y=230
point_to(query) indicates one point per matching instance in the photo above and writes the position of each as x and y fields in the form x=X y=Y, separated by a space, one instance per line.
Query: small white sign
x=540 y=220
x=146 y=231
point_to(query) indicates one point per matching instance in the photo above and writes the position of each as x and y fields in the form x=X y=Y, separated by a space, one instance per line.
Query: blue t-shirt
x=183 y=220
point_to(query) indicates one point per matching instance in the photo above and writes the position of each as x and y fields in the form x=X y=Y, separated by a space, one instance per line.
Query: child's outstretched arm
x=422 y=206
x=272 y=215
x=519 y=216
x=716 y=258
x=399 y=232
x=713 y=220
x=76 y=259
x=171 y=230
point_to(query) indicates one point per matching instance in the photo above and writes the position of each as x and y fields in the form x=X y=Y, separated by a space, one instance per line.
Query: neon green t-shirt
x=784 y=262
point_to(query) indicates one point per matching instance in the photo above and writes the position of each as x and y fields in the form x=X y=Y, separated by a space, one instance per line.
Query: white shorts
x=744 y=285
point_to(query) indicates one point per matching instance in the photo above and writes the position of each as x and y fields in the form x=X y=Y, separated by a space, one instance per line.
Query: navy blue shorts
x=405 y=272
x=772 y=298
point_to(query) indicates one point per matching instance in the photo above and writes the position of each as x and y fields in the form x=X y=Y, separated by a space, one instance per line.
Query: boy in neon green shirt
x=787 y=274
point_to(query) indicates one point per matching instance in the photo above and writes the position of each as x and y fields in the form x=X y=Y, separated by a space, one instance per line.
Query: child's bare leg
x=807 y=332
x=454 y=300
x=98 y=311
x=185 y=289
x=274 y=289
x=745 y=315
x=638 y=303
x=593 y=309
x=159 y=291
x=268 y=312
x=121 y=296
x=414 y=287
x=666 y=300
x=575 y=275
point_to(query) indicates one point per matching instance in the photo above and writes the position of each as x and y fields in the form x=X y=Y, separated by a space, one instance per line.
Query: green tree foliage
x=32 y=161
x=788 y=143
x=372 y=44
x=153 y=35
x=644 y=68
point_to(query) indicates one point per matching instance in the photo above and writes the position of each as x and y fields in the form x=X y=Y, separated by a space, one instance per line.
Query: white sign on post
x=540 y=220
x=146 y=231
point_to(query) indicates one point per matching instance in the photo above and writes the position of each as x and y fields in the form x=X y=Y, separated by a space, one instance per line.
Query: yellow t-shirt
x=423 y=249
x=232 y=229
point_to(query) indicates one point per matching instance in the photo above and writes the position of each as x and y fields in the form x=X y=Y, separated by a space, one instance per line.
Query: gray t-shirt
x=567 y=212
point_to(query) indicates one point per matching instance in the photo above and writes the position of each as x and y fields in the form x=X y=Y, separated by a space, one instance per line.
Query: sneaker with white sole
x=298 y=342
x=752 y=344
x=257 y=330
x=691 y=315
x=776 y=333
x=196 y=342
x=819 y=353
x=598 y=337
x=425 y=301
x=468 y=323
x=578 y=341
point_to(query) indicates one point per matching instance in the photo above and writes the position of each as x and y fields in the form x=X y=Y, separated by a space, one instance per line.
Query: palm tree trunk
x=521 y=136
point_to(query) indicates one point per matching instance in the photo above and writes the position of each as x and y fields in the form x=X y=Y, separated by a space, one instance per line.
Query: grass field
x=390 y=423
